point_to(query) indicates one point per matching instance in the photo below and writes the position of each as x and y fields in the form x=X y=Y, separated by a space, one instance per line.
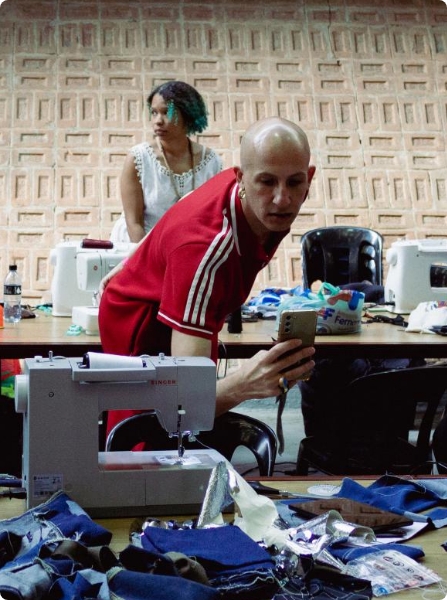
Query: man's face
x=276 y=185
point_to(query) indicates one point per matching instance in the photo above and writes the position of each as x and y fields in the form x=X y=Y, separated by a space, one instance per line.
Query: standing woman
x=156 y=176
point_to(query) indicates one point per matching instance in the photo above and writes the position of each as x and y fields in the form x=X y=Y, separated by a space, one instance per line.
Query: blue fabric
x=24 y=574
x=401 y=496
x=221 y=550
x=437 y=486
x=438 y=517
x=347 y=554
x=77 y=589
x=9 y=546
x=129 y=585
x=58 y=518
x=235 y=564
x=237 y=567
x=35 y=565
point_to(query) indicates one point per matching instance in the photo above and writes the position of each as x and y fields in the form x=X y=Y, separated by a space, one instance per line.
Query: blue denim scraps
x=234 y=563
x=402 y=496
x=51 y=551
x=58 y=518
x=132 y=585
x=24 y=574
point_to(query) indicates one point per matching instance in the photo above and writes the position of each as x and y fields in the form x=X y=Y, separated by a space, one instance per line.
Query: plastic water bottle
x=12 y=296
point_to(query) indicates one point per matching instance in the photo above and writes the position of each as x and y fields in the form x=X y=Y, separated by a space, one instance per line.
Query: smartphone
x=298 y=324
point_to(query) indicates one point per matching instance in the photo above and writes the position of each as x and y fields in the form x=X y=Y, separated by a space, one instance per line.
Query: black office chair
x=341 y=255
x=439 y=445
x=230 y=431
x=372 y=423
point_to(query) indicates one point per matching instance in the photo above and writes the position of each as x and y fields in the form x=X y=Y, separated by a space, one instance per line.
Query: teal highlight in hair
x=172 y=111
x=182 y=98
x=198 y=117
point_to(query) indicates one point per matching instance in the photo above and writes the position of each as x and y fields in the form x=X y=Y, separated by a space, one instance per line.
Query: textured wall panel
x=367 y=82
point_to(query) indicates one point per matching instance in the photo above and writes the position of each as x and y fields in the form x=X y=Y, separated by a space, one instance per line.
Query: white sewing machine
x=417 y=273
x=61 y=400
x=79 y=267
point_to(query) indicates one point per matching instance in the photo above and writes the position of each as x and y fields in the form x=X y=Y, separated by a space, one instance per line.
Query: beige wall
x=367 y=81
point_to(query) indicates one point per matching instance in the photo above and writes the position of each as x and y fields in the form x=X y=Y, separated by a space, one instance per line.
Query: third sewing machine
x=417 y=273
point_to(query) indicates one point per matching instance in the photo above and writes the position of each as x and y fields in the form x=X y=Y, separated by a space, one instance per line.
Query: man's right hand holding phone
x=260 y=376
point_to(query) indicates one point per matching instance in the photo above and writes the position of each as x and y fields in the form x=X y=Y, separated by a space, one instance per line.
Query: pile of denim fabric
x=55 y=551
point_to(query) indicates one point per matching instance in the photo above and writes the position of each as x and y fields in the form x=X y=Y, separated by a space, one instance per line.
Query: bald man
x=200 y=261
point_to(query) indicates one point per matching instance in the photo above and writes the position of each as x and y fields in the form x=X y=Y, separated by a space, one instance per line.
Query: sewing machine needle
x=180 y=447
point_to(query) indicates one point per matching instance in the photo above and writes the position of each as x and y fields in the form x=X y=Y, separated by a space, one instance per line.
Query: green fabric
x=7 y=388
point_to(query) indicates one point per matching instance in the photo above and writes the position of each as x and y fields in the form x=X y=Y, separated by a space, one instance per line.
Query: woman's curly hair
x=180 y=96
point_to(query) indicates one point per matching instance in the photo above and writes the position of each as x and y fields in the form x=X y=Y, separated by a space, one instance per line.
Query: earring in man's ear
x=241 y=193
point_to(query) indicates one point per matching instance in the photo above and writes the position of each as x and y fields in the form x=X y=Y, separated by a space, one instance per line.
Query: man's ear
x=238 y=173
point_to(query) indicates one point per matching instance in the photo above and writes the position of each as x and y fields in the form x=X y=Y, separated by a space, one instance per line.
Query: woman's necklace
x=171 y=174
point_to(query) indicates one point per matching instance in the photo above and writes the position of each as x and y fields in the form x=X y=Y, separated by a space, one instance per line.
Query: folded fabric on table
x=234 y=563
x=221 y=550
x=427 y=315
x=402 y=496
x=126 y=584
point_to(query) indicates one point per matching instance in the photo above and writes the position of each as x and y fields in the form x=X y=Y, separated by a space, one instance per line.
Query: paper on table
x=409 y=531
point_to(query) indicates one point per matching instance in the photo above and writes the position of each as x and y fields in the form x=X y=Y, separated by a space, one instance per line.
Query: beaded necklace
x=171 y=174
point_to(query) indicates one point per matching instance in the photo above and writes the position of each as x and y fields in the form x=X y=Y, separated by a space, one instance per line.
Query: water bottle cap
x=13 y=267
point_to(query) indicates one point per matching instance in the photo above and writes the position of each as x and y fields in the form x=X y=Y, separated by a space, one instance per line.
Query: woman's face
x=164 y=126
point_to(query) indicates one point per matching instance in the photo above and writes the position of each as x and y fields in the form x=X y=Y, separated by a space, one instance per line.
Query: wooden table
x=46 y=333
x=435 y=556
x=375 y=340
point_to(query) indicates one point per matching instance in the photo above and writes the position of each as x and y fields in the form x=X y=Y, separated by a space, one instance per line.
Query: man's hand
x=259 y=377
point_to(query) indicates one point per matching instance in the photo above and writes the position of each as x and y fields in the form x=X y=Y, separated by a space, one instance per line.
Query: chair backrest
x=439 y=445
x=392 y=399
x=230 y=431
x=341 y=255
x=377 y=416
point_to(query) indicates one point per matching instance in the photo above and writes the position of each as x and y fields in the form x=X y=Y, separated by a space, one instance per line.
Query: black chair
x=341 y=255
x=11 y=438
x=371 y=425
x=230 y=431
x=439 y=445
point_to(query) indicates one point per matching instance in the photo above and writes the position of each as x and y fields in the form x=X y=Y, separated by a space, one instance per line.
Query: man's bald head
x=274 y=176
x=271 y=135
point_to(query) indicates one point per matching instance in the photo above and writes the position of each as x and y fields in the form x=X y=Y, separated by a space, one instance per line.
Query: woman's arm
x=132 y=199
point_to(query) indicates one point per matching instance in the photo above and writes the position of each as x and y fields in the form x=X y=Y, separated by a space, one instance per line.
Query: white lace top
x=158 y=191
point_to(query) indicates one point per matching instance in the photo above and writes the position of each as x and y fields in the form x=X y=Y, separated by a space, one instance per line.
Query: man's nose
x=282 y=196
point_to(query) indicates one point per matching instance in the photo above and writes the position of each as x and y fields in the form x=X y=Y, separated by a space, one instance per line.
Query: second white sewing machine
x=79 y=268
x=61 y=400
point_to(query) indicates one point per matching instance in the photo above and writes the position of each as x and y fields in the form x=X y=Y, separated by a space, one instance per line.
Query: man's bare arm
x=258 y=377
